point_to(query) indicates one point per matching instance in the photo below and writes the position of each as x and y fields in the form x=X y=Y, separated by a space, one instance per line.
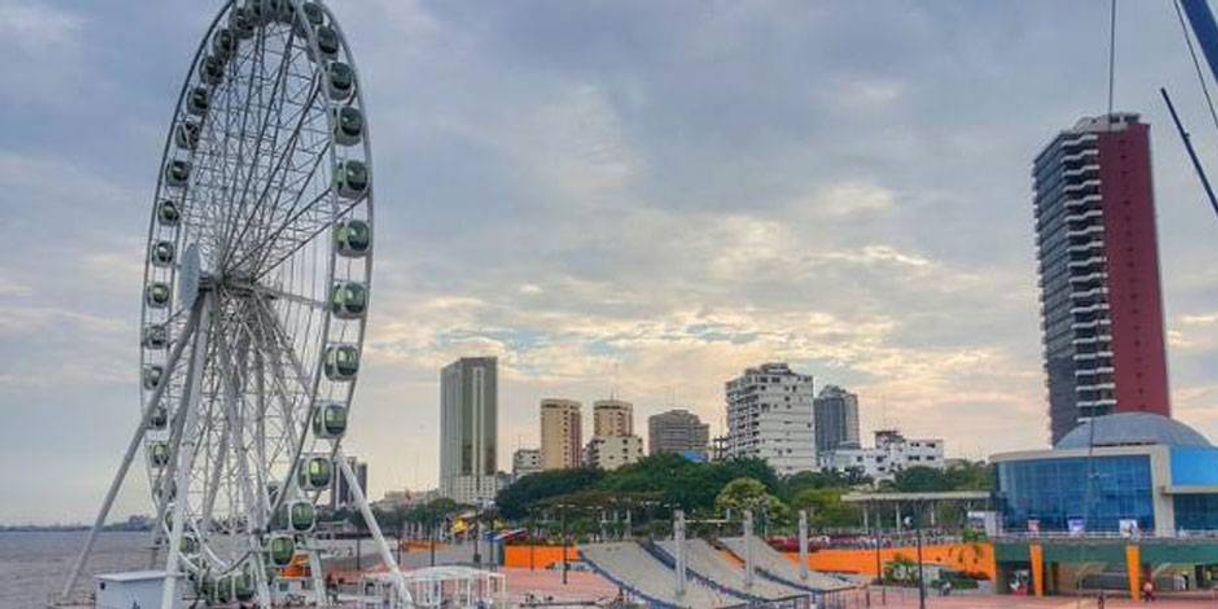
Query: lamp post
x=476 y=529
x=432 y=536
x=563 y=523
x=917 y=524
x=879 y=569
x=532 y=541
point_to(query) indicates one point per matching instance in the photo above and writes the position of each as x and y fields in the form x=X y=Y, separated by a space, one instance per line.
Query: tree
x=921 y=479
x=751 y=494
x=826 y=508
x=515 y=500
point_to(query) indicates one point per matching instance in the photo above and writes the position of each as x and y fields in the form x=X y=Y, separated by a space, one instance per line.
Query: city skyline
x=644 y=214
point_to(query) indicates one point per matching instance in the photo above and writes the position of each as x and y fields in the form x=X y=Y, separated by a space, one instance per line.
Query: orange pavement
x=536 y=557
x=966 y=558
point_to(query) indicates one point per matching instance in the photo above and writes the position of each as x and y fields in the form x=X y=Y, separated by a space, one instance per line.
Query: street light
x=917 y=524
x=563 y=518
x=432 y=536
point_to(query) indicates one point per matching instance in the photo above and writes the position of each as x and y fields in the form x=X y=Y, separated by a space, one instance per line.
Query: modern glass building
x=1111 y=474
x=469 y=429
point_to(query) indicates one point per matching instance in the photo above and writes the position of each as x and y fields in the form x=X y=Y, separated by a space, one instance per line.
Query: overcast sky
x=632 y=197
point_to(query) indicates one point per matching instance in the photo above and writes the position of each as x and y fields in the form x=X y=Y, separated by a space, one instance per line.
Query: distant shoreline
x=70 y=528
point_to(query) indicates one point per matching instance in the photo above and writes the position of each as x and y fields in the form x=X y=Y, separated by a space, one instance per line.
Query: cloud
x=639 y=198
x=851 y=199
x=34 y=27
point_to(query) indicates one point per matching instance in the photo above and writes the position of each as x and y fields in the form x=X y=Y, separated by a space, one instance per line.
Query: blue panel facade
x=1054 y=491
x=1194 y=466
x=1196 y=512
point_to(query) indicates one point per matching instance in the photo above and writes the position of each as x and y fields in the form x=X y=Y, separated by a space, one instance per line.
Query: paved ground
x=909 y=600
x=543 y=584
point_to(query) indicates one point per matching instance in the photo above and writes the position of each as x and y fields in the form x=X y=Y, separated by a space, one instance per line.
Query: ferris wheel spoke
x=268 y=109
x=286 y=399
x=310 y=234
x=258 y=215
x=292 y=215
x=265 y=292
x=223 y=219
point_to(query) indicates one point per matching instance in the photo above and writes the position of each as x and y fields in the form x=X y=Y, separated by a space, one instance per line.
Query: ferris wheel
x=256 y=290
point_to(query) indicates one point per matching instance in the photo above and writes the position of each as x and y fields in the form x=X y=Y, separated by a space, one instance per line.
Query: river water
x=33 y=566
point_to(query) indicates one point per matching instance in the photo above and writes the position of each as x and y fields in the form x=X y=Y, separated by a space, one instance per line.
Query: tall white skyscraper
x=769 y=417
x=469 y=430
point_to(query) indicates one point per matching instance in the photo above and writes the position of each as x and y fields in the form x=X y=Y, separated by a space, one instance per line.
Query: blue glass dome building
x=1142 y=467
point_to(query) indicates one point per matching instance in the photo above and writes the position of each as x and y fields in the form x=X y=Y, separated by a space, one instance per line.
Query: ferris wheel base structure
x=257 y=281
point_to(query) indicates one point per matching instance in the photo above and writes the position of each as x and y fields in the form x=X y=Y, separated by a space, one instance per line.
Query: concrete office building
x=769 y=412
x=612 y=417
x=469 y=430
x=611 y=452
x=1101 y=303
x=836 y=418
x=892 y=453
x=561 y=434
x=525 y=461
x=677 y=431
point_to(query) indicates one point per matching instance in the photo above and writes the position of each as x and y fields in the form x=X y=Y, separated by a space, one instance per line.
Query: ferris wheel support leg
x=128 y=457
x=319 y=583
x=169 y=473
x=357 y=494
x=185 y=455
x=253 y=513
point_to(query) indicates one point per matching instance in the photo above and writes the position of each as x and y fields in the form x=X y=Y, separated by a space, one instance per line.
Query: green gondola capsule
x=177 y=173
x=315 y=474
x=198 y=101
x=240 y=22
x=351 y=179
x=156 y=337
x=348 y=126
x=161 y=253
x=158 y=453
x=157 y=294
x=348 y=300
x=159 y=418
x=152 y=375
x=224 y=44
x=302 y=516
x=168 y=213
x=341 y=362
x=186 y=135
x=211 y=70
x=353 y=237
x=330 y=421
x=340 y=81
x=280 y=550
x=328 y=44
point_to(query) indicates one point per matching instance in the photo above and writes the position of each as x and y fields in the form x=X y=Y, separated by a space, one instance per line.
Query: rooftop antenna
x=613 y=389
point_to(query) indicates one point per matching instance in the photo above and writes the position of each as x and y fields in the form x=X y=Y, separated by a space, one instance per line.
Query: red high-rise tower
x=1099 y=267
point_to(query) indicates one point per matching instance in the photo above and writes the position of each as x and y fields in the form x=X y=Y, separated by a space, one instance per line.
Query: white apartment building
x=892 y=453
x=611 y=452
x=769 y=413
x=525 y=461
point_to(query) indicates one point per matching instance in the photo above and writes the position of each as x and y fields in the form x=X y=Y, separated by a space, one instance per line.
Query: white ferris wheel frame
x=205 y=344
